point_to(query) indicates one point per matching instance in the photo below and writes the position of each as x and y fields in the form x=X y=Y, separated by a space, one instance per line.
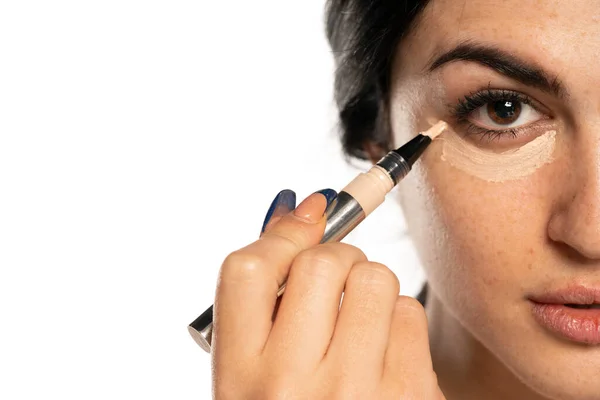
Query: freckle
x=489 y=280
x=531 y=251
x=530 y=266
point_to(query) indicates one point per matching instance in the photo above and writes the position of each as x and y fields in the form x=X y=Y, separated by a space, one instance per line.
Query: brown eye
x=499 y=111
x=504 y=112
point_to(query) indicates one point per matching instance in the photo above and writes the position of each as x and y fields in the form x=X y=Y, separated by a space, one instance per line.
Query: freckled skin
x=487 y=246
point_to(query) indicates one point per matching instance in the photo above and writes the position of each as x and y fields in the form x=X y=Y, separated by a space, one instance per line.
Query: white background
x=140 y=142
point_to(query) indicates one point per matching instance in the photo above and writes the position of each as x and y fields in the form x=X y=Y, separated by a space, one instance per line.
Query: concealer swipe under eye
x=498 y=167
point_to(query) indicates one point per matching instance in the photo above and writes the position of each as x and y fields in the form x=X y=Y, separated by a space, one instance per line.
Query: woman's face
x=492 y=244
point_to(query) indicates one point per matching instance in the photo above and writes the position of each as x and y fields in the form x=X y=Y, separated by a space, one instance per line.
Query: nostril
x=575 y=215
x=572 y=254
x=579 y=247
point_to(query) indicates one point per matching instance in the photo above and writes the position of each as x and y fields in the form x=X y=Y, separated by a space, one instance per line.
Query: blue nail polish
x=284 y=202
x=329 y=194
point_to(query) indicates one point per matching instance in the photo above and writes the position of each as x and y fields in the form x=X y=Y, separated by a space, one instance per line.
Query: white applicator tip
x=436 y=130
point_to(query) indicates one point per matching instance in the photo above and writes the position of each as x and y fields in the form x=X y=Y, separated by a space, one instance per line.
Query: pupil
x=504 y=112
x=504 y=109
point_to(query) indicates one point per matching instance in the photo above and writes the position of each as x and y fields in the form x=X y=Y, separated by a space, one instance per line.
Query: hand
x=372 y=346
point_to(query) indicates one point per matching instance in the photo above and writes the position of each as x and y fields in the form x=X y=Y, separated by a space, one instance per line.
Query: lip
x=578 y=325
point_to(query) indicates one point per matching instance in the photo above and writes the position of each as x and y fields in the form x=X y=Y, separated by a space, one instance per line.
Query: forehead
x=557 y=34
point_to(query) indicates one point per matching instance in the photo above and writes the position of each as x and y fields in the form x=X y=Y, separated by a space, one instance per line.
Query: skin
x=374 y=346
x=485 y=246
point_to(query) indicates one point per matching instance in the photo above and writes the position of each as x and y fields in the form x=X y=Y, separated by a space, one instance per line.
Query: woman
x=512 y=262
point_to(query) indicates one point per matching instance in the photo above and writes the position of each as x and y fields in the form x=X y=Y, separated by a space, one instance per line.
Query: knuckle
x=292 y=239
x=241 y=265
x=410 y=305
x=317 y=261
x=374 y=273
x=345 y=248
x=328 y=259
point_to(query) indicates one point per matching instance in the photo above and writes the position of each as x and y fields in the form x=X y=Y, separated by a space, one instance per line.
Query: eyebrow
x=503 y=63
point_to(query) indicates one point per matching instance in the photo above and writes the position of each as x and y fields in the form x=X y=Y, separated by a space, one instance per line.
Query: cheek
x=476 y=239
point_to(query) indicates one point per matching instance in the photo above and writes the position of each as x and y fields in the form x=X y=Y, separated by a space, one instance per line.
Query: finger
x=250 y=278
x=293 y=233
x=408 y=359
x=308 y=311
x=360 y=338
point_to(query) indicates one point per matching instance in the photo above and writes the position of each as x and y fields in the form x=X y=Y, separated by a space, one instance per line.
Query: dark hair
x=363 y=35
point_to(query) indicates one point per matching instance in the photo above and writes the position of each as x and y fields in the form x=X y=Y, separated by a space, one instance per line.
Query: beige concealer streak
x=498 y=167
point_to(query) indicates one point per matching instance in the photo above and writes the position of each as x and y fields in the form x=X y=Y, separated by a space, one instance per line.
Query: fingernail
x=330 y=195
x=283 y=203
x=308 y=209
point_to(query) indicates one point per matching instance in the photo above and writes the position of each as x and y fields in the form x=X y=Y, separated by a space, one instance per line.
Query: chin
x=570 y=379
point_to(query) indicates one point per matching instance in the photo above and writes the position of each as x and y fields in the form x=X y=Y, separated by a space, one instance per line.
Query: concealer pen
x=353 y=204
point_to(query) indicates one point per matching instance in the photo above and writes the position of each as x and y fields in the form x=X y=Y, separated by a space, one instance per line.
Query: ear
x=374 y=151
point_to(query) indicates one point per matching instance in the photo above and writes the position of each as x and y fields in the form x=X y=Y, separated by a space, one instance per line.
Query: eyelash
x=473 y=101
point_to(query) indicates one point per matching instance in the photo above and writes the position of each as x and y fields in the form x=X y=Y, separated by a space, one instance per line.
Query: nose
x=576 y=222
